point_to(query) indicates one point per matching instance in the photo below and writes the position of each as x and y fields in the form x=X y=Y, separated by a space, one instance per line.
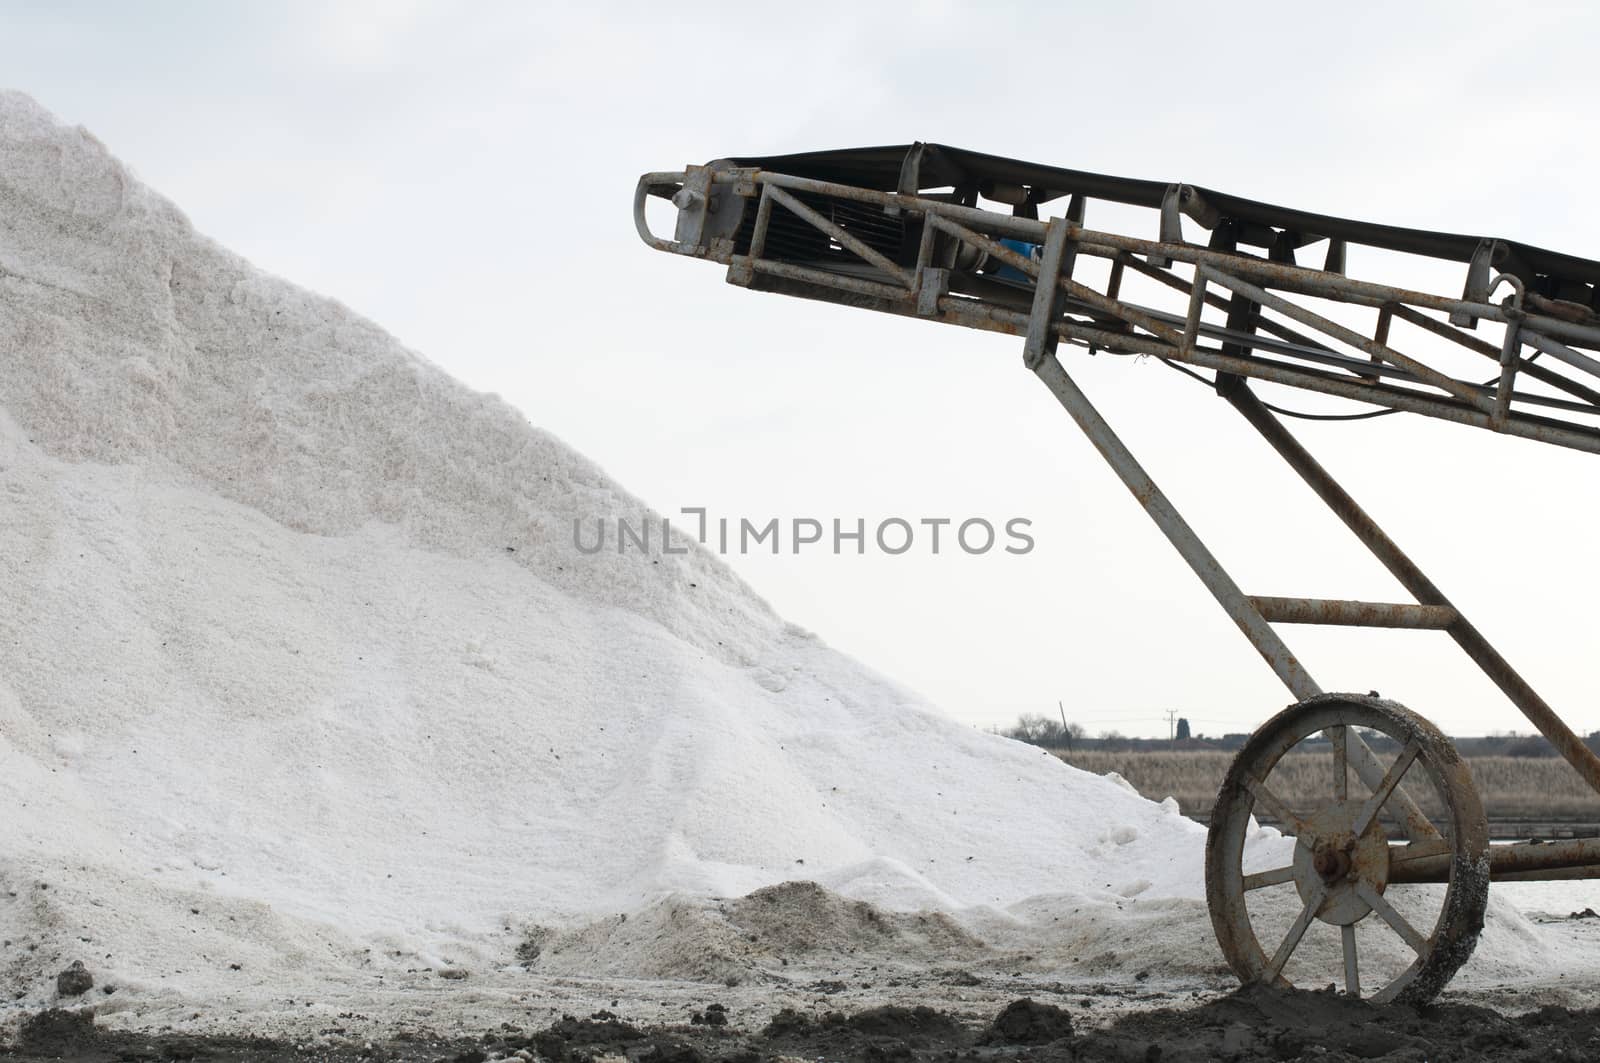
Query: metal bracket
x=693 y=202
x=1334 y=263
x=910 y=182
x=1041 y=339
x=1282 y=249
x=1192 y=203
x=1171 y=231
x=1476 y=289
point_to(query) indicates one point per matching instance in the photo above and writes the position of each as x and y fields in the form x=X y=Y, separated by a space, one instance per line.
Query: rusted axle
x=1523 y=861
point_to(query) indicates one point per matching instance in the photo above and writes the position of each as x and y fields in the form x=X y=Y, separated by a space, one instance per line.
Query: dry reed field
x=1512 y=788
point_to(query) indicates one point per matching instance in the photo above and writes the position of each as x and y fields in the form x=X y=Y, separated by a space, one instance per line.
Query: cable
x=1186 y=371
x=1328 y=416
x=1212 y=384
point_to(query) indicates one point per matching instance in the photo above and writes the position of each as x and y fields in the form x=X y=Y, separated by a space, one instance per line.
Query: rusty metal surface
x=1471 y=343
x=1345 y=613
x=992 y=318
x=860 y=248
x=1523 y=861
x=1591 y=871
x=1380 y=352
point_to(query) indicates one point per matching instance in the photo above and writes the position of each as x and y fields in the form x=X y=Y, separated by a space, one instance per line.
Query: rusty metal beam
x=1576 y=359
x=1282 y=276
x=1342 y=613
x=1178 y=284
x=1549 y=875
x=974 y=314
x=1488 y=350
x=1522 y=861
x=1432 y=377
x=845 y=238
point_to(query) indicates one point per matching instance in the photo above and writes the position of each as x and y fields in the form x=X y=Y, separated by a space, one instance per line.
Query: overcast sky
x=462 y=174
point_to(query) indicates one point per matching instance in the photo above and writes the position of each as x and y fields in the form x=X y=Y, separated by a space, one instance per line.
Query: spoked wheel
x=1334 y=800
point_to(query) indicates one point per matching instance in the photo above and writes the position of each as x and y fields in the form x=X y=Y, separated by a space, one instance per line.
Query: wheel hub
x=1333 y=859
x=1332 y=864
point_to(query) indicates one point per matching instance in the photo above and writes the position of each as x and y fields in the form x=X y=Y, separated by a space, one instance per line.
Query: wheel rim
x=1343 y=859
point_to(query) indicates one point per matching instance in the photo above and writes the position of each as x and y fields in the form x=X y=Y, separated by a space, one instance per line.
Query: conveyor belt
x=919 y=167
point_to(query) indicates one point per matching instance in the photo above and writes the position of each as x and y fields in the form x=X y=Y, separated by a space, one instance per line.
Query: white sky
x=462 y=174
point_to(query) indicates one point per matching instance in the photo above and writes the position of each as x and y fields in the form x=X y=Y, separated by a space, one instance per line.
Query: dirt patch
x=72 y=1034
x=1026 y=1022
x=1264 y=1024
x=895 y=1021
x=601 y=1028
x=1251 y=1026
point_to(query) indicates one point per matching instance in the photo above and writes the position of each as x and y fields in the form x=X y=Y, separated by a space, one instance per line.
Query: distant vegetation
x=1046 y=731
x=1520 y=778
x=1512 y=788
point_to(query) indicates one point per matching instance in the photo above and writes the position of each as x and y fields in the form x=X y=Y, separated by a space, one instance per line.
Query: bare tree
x=1040 y=730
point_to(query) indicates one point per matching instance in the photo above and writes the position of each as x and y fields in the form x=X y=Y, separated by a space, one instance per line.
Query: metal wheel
x=1343 y=866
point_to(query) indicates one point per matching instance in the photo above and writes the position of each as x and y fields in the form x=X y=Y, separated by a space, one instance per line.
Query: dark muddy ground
x=1252 y=1024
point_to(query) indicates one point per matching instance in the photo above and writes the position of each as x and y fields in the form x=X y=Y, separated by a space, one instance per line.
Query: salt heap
x=300 y=669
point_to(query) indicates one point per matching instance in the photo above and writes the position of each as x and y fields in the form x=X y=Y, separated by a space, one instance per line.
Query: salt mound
x=294 y=620
x=779 y=932
x=302 y=678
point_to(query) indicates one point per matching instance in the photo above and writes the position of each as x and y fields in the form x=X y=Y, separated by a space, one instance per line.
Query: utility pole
x=1172 y=724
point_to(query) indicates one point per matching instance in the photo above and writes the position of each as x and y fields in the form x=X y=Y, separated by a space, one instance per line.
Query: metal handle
x=647 y=186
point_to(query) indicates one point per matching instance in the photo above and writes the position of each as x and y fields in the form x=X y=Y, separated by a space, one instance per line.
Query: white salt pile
x=302 y=682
